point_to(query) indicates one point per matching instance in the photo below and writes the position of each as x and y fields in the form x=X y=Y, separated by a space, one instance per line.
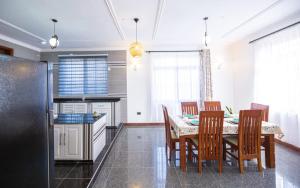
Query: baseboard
x=287 y=145
x=143 y=124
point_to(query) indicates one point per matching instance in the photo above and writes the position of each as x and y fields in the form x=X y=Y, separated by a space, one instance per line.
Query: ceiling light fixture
x=136 y=49
x=54 y=42
x=206 y=38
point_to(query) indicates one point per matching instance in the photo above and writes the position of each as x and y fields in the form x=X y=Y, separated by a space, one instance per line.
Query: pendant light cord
x=54 y=28
x=136 y=22
x=205 y=35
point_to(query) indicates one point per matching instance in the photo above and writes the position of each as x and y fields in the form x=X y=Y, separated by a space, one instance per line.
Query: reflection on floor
x=78 y=175
x=138 y=160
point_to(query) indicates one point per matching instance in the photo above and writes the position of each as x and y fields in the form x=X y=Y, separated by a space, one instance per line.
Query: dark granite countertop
x=76 y=118
x=86 y=99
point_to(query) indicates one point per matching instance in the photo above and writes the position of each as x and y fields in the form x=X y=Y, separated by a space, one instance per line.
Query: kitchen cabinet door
x=73 y=142
x=80 y=108
x=117 y=113
x=58 y=141
x=67 y=108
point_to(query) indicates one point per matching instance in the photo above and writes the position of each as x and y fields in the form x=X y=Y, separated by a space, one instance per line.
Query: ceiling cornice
x=20 y=43
x=22 y=30
x=251 y=18
x=115 y=18
x=84 y=49
x=159 y=12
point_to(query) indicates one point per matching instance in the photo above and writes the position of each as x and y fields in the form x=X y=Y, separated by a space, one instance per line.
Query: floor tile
x=74 y=183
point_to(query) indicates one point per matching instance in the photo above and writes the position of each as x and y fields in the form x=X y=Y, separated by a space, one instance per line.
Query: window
x=175 y=78
x=82 y=76
x=277 y=78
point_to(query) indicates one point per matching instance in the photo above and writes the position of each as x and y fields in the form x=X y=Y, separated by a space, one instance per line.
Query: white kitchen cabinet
x=71 y=108
x=68 y=142
x=73 y=142
x=58 y=133
x=123 y=104
x=80 y=108
x=103 y=107
x=117 y=113
x=67 y=108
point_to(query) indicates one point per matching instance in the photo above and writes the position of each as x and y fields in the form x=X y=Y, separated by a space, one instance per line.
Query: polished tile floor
x=138 y=160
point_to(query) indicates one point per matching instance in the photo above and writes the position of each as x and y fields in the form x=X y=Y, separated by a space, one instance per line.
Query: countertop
x=86 y=99
x=77 y=118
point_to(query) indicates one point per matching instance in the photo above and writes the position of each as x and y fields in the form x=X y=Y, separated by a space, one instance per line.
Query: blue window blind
x=82 y=76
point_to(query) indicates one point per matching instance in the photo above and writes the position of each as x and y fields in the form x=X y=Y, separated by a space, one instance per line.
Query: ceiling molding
x=20 y=43
x=251 y=18
x=84 y=49
x=115 y=18
x=22 y=30
x=159 y=12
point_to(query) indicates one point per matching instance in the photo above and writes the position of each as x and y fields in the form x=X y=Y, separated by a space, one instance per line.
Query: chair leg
x=224 y=151
x=170 y=151
x=199 y=164
x=220 y=160
x=220 y=165
x=241 y=164
x=190 y=151
x=259 y=163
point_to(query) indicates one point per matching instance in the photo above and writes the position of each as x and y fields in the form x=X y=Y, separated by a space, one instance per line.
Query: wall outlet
x=138 y=113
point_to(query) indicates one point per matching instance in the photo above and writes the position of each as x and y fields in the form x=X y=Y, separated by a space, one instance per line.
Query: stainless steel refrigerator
x=26 y=155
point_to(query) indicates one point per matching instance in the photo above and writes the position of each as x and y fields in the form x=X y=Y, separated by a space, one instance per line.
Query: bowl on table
x=194 y=122
x=189 y=116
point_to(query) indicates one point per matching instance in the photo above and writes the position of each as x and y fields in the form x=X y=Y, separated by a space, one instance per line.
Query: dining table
x=187 y=127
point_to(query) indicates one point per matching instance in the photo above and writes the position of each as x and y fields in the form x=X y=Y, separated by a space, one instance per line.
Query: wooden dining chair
x=189 y=108
x=209 y=141
x=263 y=108
x=248 y=142
x=212 y=105
x=171 y=137
x=265 y=117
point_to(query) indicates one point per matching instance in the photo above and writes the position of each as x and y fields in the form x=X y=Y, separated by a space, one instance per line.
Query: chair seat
x=173 y=135
x=233 y=140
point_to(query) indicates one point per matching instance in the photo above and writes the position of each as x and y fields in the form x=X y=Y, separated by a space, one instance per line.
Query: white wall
x=241 y=58
x=222 y=76
x=138 y=91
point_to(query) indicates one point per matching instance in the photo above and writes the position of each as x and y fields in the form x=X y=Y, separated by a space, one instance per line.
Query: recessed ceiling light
x=44 y=42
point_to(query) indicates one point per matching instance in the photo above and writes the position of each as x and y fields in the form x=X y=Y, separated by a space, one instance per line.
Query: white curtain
x=206 y=92
x=277 y=80
x=175 y=77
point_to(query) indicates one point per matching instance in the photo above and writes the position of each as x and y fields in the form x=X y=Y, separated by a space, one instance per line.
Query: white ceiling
x=88 y=24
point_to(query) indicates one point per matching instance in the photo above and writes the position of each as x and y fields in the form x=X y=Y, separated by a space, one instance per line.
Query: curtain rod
x=83 y=55
x=176 y=51
x=272 y=33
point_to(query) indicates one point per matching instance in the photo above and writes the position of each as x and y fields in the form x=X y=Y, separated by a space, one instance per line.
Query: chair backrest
x=167 y=125
x=212 y=105
x=189 y=108
x=210 y=134
x=249 y=133
x=264 y=108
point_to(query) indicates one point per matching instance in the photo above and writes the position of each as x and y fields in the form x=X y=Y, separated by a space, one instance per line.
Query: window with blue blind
x=82 y=76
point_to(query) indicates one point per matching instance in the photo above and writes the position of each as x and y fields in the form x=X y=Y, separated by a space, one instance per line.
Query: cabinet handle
x=60 y=135
x=64 y=139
